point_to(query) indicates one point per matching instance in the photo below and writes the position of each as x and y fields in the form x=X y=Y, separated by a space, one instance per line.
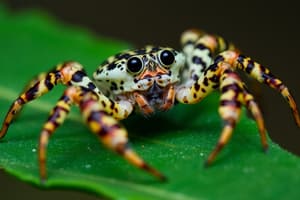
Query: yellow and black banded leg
x=221 y=76
x=31 y=83
x=62 y=74
x=233 y=96
x=108 y=130
x=195 y=39
x=253 y=107
x=200 y=48
x=56 y=118
x=36 y=79
x=68 y=73
x=261 y=74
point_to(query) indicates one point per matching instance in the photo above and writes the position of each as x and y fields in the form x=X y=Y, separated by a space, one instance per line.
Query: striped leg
x=261 y=74
x=62 y=74
x=56 y=118
x=103 y=125
x=233 y=96
x=204 y=75
x=252 y=106
x=193 y=39
x=36 y=79
x=233 y=93
x=108 y=130
x=69 y=73
x=31 y=83
x=200 y=48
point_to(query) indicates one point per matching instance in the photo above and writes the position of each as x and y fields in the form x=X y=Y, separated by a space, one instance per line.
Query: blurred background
x=268 y=32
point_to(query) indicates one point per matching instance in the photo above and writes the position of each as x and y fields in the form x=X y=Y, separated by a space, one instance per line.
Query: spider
x=147 y=80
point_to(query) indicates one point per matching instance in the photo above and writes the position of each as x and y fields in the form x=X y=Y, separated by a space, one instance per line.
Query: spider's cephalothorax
x=152 y=78
x=145 y=76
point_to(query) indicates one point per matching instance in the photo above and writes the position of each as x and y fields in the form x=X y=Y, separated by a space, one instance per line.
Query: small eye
x=134 y=64
x=167 y=57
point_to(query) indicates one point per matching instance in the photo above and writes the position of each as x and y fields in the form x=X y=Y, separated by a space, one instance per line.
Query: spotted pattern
x=206 y=63
x=114 y=78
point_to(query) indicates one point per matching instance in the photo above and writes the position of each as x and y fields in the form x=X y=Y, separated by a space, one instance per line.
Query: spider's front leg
x=105 y=127
x=68 y=73
x=220 y=75
x=100 y=113
x=39 y=86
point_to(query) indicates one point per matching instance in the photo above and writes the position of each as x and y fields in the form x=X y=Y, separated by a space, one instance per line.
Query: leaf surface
x=177 y=142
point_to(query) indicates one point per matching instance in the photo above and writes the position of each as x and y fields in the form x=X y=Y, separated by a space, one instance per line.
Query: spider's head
x=148 y=71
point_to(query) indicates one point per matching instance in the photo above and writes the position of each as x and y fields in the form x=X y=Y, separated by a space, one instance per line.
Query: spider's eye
x=134 y=64
x=167 y=57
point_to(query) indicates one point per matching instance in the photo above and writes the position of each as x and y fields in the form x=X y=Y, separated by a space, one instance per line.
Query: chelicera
x=150 y=79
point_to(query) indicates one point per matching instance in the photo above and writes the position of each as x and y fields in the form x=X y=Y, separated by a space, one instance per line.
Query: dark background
x=267 y=31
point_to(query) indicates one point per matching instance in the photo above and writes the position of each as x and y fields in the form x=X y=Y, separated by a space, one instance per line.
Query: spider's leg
x=204 y=75
x=31 y=83
x=62 y=74
x=36 y=79
x=199 y=49
x=233 y=95
x=261 y=74
x=110 y=132
x=56 y=118
x=68 y=73
x=253 y=107
x=192 y=38
x=143 y=103
x=169 y=98
x=103 y=125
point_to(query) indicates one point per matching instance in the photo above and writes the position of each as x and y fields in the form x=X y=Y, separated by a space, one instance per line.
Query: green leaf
x=176 y=142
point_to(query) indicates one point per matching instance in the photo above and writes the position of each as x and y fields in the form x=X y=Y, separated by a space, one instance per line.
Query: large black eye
x=134 y=64
x=167 y=57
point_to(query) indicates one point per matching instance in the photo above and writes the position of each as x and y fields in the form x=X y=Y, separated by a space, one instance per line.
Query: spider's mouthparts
x=155 y=98
x=154 y=95
x=154 y=92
